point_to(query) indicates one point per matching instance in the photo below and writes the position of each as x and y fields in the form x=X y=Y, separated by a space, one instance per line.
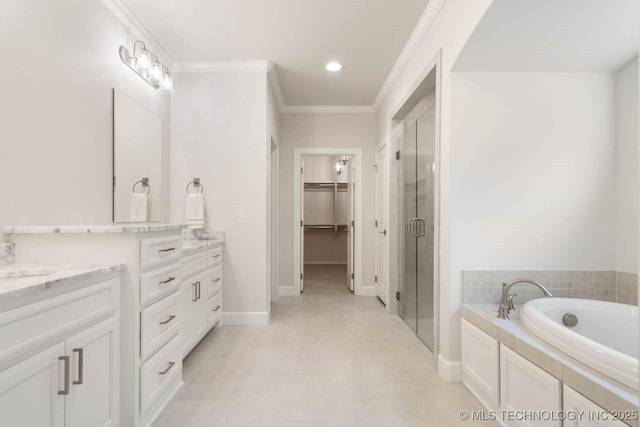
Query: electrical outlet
x=242 y=217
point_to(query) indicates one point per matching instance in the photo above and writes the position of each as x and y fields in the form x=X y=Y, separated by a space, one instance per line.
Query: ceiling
x=299 y=36
x=553 y=36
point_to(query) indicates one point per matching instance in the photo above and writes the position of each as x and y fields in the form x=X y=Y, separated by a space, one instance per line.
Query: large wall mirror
x=137 y=142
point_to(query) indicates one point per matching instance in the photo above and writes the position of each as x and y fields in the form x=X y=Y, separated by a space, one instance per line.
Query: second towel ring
x=196 y=183
x=145 y=183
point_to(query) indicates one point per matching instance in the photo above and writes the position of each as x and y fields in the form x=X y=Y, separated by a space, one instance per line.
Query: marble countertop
x=85 y=229
x=190 y=247
x=17 y=280
x=601 y=389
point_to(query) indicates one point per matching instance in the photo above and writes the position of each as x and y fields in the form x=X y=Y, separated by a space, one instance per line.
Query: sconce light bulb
x=166 y=85
x=155 y=76
x=143 y=63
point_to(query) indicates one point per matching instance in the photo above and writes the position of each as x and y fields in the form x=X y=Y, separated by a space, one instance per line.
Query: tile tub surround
x=599 y=388
x=485 y=287
x=87 y=229
x=7 y=253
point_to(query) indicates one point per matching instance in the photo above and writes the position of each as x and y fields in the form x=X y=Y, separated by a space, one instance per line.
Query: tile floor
x=324 y=360
x=325 y=279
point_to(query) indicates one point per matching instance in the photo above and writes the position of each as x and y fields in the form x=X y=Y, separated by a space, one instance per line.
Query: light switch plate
x=242 y=217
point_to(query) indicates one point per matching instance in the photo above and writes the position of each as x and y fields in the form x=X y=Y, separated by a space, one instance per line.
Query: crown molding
x=136 y=28
x=275 y=85
x=426 y=20
x=328 y=109
x=220 y=66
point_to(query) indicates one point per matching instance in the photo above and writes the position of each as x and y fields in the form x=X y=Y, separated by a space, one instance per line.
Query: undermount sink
x=27 y=272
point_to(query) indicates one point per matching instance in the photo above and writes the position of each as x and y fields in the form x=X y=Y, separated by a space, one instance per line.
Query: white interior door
x=350 y=223
x=302 y=224
x=381 y=226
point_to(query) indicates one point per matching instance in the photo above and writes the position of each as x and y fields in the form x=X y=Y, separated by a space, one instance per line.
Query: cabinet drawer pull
x=80 y=352
x=164 y=282
x=199 y=290
x=216 y=280
x=216 y=256
x=166 y=250
x=65 y=359
x=168 y=368
x=217 y=308
x=195 y=291
x=171 y=317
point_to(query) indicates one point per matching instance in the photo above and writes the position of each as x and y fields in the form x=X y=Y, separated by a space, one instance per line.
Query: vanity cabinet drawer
x=25 y=328
x=214 y=281
x=158 y=373
x=158 y=324
x=214 y=309
x=158 y=283
x=159 y=251
x=214 y=257
x=193 y=265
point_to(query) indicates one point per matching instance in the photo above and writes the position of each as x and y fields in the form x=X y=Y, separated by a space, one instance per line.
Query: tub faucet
x=506 y=301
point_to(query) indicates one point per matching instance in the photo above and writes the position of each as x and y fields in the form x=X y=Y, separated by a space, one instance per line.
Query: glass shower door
x=417 y=307
x=425 y=212
x=409 y=292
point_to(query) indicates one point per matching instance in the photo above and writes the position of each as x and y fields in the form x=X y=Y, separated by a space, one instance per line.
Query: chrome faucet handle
x=510 y=304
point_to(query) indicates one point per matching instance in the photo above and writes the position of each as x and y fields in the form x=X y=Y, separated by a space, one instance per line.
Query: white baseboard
x=288 y=291
x=245 y=318
x=449 y=371
x=366 y=291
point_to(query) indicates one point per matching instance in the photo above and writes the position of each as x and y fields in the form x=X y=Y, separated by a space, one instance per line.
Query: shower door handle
x=421 y=227
x=413 y=229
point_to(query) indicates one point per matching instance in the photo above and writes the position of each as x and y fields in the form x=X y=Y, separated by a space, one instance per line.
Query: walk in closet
x=327 y=210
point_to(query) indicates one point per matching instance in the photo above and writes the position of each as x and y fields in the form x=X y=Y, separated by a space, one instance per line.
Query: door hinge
x=397 y=155
x=301 y=276
x=301 y=171
x=376 y=167
x=114 y=182
x=353 y=223
x=398 y=296
x=301 y=223
x=376 y=279
x=353 y=276
x=376 y=223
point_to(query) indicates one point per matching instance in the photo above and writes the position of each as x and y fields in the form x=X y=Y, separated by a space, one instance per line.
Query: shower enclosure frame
x=429 y=81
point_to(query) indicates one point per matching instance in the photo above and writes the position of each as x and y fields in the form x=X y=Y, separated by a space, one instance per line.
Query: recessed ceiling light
x=333 y=66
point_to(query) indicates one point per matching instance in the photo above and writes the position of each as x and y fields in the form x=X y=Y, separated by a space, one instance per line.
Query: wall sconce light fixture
x=146 y=65
x=340 y=163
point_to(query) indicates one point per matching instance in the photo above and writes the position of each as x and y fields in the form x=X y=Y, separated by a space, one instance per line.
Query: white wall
x=532 y=172
x=61 y=64
x=448 y=33
x=627 y=168
x=219 y=134
x=325 y=131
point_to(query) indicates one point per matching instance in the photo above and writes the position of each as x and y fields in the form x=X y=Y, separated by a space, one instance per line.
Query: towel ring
x=145 y=183
x=196 y=183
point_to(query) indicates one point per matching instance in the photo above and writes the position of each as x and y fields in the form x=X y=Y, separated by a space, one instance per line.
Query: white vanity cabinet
x=525 y=387
x=59 y=358
x=150 y=316
x=201 y=293
x=592 y=414
x=480 y=364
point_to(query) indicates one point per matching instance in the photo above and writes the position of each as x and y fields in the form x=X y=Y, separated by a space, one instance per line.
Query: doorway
x=326 y=217
x=327 y=212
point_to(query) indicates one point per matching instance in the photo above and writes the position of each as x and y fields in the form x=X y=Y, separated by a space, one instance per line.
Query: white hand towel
x=195 y=210
x=139 y=209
